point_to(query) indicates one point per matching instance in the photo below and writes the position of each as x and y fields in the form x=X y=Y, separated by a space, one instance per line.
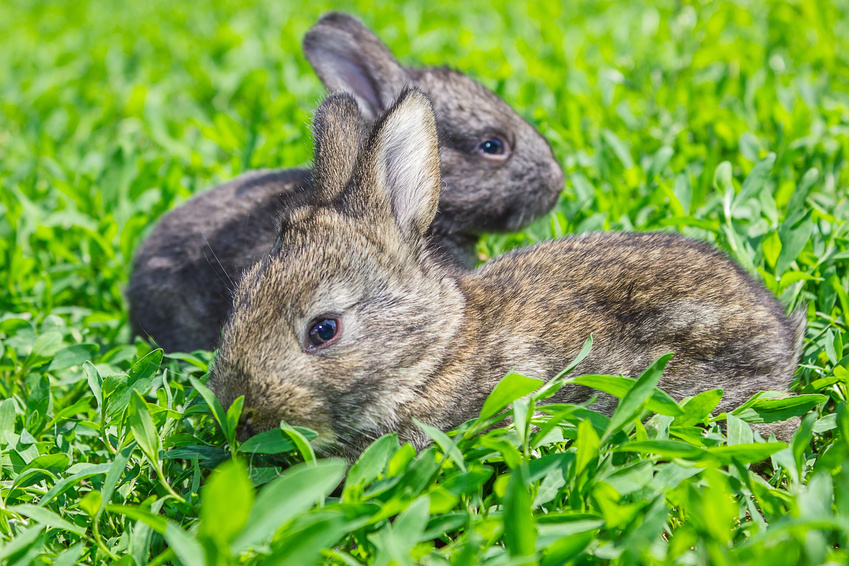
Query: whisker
x=232 y=286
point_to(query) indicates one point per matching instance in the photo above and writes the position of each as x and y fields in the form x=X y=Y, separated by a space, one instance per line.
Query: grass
x=728 y=122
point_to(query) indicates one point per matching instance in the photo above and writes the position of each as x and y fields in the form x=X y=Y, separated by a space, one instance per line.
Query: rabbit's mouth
x=251 y=424
x=255 y=421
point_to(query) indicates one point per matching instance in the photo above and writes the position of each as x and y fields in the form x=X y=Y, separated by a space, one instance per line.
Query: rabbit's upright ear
x=337 y=134
x=404 y=162
x=348 y=56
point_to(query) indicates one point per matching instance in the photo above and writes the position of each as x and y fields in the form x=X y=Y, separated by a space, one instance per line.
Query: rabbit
x=352 y=327
x=499 y=174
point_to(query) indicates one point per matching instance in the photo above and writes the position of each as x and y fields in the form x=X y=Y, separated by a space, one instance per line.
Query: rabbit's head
x=499 y=173
x=347 y=318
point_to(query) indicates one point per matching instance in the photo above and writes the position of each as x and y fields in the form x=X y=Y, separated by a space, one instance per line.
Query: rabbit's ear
x=347 y=56
x=404 y=151
x=337 y=132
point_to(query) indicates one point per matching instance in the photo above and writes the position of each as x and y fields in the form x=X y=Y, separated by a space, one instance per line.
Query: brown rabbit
x=352 y=328
x=499 y=174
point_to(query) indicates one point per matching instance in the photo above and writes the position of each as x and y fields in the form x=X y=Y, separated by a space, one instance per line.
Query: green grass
x=727 y=122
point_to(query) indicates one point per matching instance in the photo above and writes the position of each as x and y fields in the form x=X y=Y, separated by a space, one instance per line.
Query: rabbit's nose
x=246 y=427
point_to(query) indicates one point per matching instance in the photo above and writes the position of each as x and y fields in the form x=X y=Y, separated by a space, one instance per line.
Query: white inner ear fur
x=408 y=162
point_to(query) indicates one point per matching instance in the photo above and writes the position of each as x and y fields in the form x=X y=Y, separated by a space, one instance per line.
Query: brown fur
x=421 y=340
x=184 y=272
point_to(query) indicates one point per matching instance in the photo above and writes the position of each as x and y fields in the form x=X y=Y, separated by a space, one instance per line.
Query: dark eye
x=494 y=148
x=323 y=331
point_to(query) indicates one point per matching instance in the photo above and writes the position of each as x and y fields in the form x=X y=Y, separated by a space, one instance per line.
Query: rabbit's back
x=202 y=248
x=640 y=295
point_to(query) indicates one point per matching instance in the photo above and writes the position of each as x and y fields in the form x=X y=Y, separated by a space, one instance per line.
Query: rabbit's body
x=352 y=327
x=185 y=271
x=640 y=296
x=499 y=174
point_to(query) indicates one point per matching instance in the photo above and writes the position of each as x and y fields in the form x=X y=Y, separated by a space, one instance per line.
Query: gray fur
x=183 y=274
x=419 y=339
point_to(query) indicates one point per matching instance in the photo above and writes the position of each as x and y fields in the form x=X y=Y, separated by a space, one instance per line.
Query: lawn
x=727 y=122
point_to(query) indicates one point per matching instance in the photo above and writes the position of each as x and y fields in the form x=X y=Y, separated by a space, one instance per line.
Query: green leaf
x=234 y=413
x=508 y=390
x=116 y=469
x=521 y=420
x=91 y=503
x=755 y=181
x=54 y=463
x=465 y=483
x=155 y=522
x=286 y=497
x=25 y=538
x=215 y=407
x=410 y=525
x=512 y=457
x=307 y=543
x=774 y=410
x=272 y=441
x=70 y=556
x=400 y=460
x=7 y=419
x=72 y=356
x=697 y=409
x=640 y=539
x=801 y=440
x=659 y=161
x=683 y=192
x=628 y=479
x=619 y=386
x=587 y=446
x=301 y=443
x=226 y=500
x=448 y=447
x=633 y=401
x=835 y=283
x=663 y=448
x=568 y=547
x=737 y=431
x=95 y=382
x=620 y=150
x=145 y=368
x=143 y=428
x=45 y=517
x=519 y=529
x=187 y=549
x=60 y=486
x=38 y=404
x=794 y=234
x=138 y=381
x=551 y=387
x=745 y=453
x=722 y=178
x=772 y=248
x=372 y=462
x=418 y=474
x=43 y=350
x=797 y=201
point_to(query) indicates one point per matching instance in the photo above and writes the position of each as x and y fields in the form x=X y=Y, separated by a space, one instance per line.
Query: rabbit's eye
x=323 y=331
x=494 y=148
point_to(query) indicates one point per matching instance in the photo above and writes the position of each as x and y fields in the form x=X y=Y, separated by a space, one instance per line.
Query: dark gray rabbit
x=499 y=174
x=352 y=328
